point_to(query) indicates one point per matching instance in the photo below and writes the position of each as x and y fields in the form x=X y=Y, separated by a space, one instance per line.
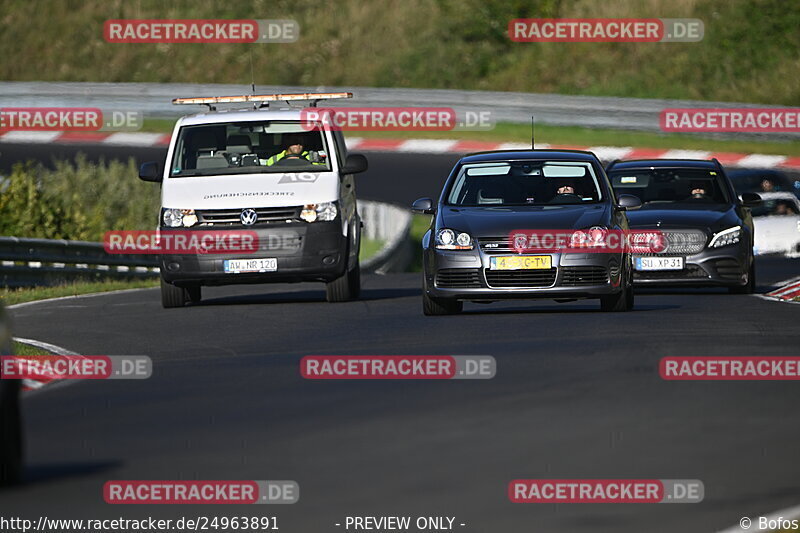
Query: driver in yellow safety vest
x=294 y=149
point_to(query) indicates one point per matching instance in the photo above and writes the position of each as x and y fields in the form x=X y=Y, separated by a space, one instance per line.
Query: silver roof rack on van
x=261 y=99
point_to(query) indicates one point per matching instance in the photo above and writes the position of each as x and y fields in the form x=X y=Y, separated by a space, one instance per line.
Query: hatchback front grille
x=583 y=275
x=458 y=278
x=266 y=215
x=496 y=245
x=527 y=279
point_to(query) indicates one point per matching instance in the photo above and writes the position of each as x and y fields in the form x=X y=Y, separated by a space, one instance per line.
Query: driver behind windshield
x=699 y=191
x=566 y=189
x=293 y=149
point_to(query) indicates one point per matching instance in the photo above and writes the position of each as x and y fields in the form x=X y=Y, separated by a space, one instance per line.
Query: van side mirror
x=149 y=172
x=750 y=199
x=354 y=164
x=627 y=202
x=423 y=206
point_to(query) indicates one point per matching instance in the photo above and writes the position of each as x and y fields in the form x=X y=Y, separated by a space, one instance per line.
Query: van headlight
x=726 y=237
x=175 y=218
x=447 y=239
x=325 y=212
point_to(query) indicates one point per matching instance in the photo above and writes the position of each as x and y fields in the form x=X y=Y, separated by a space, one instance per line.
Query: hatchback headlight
x=324 y=212
x=726 y=237
x=175 y=218
x=447 y=239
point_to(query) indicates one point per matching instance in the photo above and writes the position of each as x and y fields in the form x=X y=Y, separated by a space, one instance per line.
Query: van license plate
x=236 y=266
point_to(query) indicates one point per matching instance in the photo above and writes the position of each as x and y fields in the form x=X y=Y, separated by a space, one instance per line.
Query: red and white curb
x=786 y=293
x=419 y=146
x=33 y=384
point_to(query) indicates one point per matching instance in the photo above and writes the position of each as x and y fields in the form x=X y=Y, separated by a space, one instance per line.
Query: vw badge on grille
x=248 y=217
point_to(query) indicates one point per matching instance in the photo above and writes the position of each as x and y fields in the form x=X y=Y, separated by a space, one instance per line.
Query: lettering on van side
x=242 y=194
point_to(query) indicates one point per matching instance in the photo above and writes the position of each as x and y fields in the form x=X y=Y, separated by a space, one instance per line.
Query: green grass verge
x=567 y=135
x=419 y=225
x=20 y=348
x=29 y=294
x=369 y=247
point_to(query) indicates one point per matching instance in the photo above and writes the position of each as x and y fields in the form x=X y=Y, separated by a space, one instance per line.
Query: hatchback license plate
x=520 y=262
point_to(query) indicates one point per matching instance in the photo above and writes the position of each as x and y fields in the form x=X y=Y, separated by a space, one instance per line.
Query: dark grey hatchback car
x=468 y=253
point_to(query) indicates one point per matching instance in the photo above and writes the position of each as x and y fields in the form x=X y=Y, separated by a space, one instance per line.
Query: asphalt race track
x=577 y=395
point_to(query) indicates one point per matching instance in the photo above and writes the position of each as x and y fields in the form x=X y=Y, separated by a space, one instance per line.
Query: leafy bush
x=77 y=200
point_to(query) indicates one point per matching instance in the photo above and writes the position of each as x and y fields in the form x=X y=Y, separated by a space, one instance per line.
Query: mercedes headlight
x=175 y=218
x=726 y=237
x=447 y=239
x=326 y=211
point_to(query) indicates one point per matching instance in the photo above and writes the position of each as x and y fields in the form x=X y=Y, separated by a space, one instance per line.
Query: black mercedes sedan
x=493 y=204
x=708 y=229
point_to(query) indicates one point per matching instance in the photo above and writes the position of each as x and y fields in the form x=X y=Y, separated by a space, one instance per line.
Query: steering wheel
x=293 y=161
x=566 y=198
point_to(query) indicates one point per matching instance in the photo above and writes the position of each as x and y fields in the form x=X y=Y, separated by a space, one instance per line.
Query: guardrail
x=391 y=224
x=155 y=99
x=30 y=262
x=34 y=262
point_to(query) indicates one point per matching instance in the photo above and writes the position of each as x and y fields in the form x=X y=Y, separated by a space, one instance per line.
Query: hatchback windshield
x=671 y=185
x=525 y=183
x=249 y=147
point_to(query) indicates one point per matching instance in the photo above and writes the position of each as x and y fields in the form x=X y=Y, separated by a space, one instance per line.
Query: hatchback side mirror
x=627 y=202
x=423 y=206
x=354 y=164
x=149 y=172
x=750 y=199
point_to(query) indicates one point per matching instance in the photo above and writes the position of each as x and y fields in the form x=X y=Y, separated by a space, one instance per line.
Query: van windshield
x=249 y=147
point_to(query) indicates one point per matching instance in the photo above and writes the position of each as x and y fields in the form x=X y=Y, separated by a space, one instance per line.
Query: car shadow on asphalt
x=563 y=309
x=306 y=296
x=49 y=472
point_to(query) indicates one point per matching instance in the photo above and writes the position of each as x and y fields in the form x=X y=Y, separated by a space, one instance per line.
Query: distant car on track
x=10 y=418
x=467 y=251
x=708 y=230
x=762 y=180
x=777 y=224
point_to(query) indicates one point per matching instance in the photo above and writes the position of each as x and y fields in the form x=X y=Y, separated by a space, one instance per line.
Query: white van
x=270 y=172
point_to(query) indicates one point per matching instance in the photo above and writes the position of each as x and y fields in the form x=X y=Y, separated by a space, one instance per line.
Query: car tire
x=621 y=301
x=172 y=296
x=750 y=286
x=11 y=435
x=194 y=293
x=439 y=306
x=346 y=287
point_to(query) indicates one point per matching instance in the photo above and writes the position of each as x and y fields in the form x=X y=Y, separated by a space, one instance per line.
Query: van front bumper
x=303 y=251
